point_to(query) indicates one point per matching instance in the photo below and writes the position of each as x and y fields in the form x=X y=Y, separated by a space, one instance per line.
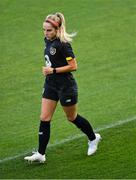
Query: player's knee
x=71 y=118
x=45 y=117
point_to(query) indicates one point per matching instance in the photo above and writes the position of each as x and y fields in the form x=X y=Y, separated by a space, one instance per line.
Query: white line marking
x=77 y=136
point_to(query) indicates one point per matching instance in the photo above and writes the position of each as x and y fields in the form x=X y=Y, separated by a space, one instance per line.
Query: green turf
x=115 y=159
x=105 y=51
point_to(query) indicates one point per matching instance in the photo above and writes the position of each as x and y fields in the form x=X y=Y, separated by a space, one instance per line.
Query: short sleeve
x=67 y=51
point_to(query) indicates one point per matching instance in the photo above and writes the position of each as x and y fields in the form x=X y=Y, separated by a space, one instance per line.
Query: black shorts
x=64 y=89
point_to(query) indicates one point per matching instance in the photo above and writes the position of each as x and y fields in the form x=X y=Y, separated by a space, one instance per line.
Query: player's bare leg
x=47 y=110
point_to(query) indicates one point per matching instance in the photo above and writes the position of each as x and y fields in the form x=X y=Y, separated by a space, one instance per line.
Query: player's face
x=49 y=31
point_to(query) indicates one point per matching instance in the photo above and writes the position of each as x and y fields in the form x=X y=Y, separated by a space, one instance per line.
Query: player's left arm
x=72 y=66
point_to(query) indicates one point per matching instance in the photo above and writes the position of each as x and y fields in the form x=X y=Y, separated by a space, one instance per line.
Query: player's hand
x=47 y=70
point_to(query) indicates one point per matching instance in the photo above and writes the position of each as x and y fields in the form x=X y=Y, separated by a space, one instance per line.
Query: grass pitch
x=105 y=51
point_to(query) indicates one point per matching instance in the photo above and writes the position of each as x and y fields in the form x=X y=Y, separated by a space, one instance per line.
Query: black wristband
x=54 y=71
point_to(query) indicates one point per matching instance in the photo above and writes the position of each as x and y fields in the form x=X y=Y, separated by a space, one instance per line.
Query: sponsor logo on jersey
x=52 y=51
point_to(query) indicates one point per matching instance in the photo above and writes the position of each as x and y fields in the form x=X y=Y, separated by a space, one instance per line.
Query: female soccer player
x=60 y=85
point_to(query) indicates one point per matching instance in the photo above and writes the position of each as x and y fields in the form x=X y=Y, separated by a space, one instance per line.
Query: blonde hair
x=58 y=21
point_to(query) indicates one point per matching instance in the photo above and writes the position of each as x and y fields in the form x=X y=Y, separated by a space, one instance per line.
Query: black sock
x=44 y=136
x=85 y=127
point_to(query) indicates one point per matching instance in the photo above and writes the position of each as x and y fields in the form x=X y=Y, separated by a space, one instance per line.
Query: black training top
x=57 y=54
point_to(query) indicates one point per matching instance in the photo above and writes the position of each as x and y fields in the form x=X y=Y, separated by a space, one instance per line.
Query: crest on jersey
x=52 y=51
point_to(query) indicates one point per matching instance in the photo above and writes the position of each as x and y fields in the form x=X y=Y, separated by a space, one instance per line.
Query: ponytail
x=58 y=21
